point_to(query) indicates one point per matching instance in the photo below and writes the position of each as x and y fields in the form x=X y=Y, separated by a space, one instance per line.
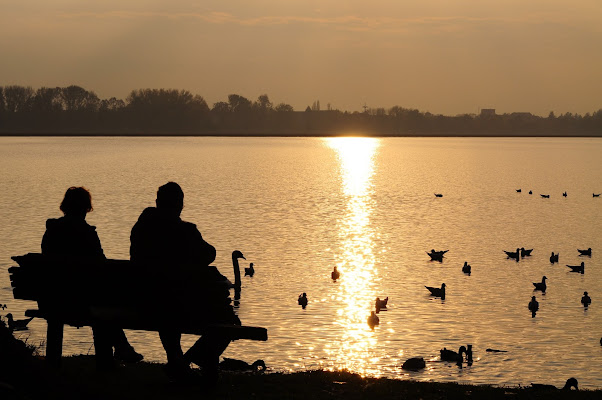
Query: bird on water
x=541 y=285
x=577 y=268
x=570 y=383
x=437 y=292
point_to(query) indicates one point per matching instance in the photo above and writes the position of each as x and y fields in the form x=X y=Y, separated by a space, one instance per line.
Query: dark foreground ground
x=25 y=376
x=78 y=379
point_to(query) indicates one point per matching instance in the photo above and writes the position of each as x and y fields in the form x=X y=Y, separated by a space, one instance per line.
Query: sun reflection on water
x=355 y=258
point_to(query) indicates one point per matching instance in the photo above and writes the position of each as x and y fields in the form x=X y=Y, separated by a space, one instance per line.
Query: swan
x=235 y=256
x=571 y=382
x=373 y=319
x=250 y=271
x=414 y=364
x=541 y=285
x=554 y=258
x=335 y=274
x=525 y=253
x=17 y=324
x=437 y=292
x=577 y=268
x=450 y=355
x=231 y=364
x=586 y=300
x=466 y=268
x=587 y=252
x=302 y=300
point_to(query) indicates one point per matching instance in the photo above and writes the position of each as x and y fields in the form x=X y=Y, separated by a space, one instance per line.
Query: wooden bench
x=106 y=294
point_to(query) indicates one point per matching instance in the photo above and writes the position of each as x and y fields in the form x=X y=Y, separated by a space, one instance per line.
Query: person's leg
x=103 y=348
x=206 y=351
x=123 y=350
x=177 y=365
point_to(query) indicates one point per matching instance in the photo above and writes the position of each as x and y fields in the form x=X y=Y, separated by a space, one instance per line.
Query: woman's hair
x=76 y=200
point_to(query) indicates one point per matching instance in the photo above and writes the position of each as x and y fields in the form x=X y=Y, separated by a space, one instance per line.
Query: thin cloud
x=346 y=22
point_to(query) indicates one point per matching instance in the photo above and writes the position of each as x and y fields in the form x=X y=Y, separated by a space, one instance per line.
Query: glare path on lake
x=355 y=258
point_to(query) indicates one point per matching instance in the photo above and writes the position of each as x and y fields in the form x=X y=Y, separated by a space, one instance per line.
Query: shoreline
x=78 y=378
x=295 y=135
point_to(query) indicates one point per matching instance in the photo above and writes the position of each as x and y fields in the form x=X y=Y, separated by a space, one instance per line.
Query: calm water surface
x=296 y=207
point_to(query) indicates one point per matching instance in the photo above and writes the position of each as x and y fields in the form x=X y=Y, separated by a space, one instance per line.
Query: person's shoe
x=128 y=356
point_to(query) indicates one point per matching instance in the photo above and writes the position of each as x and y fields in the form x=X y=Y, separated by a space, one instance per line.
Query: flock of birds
x=547 y=196
x=464 y=353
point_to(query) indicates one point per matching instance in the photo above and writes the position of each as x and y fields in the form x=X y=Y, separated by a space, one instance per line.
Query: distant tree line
x=74 y=110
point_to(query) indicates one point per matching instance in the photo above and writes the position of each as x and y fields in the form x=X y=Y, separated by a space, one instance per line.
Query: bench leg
x=103 y=348
x=54 y=343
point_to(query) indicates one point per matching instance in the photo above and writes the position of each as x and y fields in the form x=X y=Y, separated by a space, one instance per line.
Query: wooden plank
x=130 y=319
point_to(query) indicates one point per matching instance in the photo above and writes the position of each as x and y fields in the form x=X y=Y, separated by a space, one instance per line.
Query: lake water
x=297 y=207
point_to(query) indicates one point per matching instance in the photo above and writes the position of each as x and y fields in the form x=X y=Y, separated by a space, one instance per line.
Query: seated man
x=177 y=260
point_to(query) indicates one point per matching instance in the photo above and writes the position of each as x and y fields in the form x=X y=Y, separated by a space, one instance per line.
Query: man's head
x=170 y=198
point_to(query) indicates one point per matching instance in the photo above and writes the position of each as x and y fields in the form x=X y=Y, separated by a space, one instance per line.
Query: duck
x=513 y=254
x=554 y=258
x=17 y=324
x=586 y=300
x=373 y=319
x=545 y=196
x=335 y=274
x=530 y=192
x=381 y=304
x=466 y=268
x=438 y=195
x=518 y=190
x=450 y=355
x=533 y=306
x=437 y=292
x=302 y=300
x=3 y=306
x=231 y=364
x=570 y=383
x=495 y=351
x=414 y=364
x=525 y=253
x=587 y=252
x=250 y=271
x=437 y=255
x=577 y=268
x=596 y=195
x=541 y=285
x=564 y=194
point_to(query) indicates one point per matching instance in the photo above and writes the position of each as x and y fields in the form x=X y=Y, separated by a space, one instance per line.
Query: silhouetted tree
x=283 y=107
x=76 y=98
x=16 y=98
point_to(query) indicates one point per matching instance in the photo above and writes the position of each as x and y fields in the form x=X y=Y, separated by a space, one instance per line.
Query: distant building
x=487 y=112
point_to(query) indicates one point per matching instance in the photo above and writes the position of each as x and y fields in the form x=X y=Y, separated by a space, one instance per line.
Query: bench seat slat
x=131 y=319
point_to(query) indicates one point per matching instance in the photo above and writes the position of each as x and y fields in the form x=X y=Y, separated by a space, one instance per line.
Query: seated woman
x=71 y=240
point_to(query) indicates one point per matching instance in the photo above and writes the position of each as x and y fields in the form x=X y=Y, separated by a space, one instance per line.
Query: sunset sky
x=441 y=56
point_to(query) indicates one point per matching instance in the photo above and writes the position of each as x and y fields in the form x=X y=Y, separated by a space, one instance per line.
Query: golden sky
x=441 y=56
